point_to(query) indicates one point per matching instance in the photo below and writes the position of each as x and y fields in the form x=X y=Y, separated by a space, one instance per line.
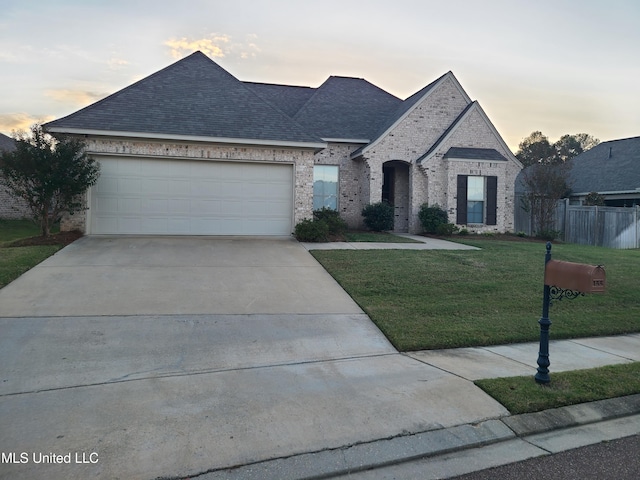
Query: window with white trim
x=325 y=187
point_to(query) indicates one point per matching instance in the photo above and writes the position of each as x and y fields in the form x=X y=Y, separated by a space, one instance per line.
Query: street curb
x=392 y=451
x=573 y=415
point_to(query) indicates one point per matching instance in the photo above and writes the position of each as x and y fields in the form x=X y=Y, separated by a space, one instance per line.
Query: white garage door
x=183 y=197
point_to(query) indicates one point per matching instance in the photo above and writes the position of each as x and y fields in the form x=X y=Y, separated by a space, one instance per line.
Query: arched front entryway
x=395 y=190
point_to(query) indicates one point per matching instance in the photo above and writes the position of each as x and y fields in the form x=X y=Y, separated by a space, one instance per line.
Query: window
x=325 y=187
x=477 y=200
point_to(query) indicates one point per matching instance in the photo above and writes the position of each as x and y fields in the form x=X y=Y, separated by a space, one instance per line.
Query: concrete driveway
x=149 y=357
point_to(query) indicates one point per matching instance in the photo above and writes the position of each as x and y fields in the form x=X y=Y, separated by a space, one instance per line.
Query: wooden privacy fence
x=613 y=227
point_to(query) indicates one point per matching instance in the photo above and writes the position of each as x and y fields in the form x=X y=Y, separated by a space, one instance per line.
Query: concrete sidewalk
x=422 y=243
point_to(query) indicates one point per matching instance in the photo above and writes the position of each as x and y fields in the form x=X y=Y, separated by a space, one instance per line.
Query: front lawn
x=14 y=261
x=431 y=299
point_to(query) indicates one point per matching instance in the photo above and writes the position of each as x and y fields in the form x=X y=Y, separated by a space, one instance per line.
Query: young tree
x=545 y=185
x=49 y=174
x=546 y=176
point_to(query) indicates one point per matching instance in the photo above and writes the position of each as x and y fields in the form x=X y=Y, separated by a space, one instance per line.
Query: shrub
x=432 y=217
x=378 y=216
x=521 y=234
x=463 y=231
x=548 y=235
x=311 y=231
x=446 y=229
x=594 y=198
x=337 y=225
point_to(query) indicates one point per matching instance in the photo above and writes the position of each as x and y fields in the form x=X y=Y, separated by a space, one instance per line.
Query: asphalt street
x=616 y=459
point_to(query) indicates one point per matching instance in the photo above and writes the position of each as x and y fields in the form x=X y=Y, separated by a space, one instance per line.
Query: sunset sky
x=559 y=66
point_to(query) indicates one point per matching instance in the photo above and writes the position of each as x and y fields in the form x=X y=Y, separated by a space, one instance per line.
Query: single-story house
x=10 y=207
x=611 y=169
x=191 y=150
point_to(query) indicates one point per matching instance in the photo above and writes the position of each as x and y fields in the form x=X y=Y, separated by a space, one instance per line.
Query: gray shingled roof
x=612 y=166
x=287 y=98
x=346 y=108
x=7 y=143
x=475 y=154
x=192 y=97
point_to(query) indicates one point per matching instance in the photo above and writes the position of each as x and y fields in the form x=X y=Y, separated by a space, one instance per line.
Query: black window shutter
x=461 y=214
x=492 y=200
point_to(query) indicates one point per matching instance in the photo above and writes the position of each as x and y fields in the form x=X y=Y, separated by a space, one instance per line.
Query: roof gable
x=406 y=107
x=193 y=97
x=472 y=107
x=346 y=108
x=612 y=166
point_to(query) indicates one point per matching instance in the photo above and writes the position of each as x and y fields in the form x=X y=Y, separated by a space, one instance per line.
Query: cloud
x=75 y=97
x=117 y=63
x=215 y=45
x=10 y=122
x=212 y=47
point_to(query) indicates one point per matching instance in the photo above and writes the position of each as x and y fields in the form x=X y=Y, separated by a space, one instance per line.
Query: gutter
x=190 y=138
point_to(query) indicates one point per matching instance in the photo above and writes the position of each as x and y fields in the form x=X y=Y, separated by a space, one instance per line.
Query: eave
x=191 y=138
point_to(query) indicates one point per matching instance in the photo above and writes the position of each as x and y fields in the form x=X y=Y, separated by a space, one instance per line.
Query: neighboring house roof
x=346 y=108
x=475 y=154
x=609 y=167
x=193 y=98
x=7 y=144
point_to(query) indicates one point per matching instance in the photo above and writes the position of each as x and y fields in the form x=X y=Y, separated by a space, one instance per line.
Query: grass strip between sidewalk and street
x=430 y=299
x=524 y=395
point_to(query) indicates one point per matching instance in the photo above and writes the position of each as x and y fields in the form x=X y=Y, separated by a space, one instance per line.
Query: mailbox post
x=563 y=280
x=543 y=354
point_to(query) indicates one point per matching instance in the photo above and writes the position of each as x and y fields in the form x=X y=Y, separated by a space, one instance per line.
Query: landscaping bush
x=378 y=216
x=549 y=235
x=337 y=225
x=447 y=229
x=311 y=231
x=432 y=217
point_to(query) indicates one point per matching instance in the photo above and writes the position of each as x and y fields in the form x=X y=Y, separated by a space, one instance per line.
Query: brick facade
x=10 y=206
x=433 y=181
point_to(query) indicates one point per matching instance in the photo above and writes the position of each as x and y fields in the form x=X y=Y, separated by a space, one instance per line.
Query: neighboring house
x=612 y=169
x=191 y=150
x=10 y=207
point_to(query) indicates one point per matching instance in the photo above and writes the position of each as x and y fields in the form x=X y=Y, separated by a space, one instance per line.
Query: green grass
x=14 y=261
x=431 y=299
x=380 y=237
x=524 y=395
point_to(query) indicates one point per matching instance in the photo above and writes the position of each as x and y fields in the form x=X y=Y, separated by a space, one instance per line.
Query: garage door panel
x=179 y=197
